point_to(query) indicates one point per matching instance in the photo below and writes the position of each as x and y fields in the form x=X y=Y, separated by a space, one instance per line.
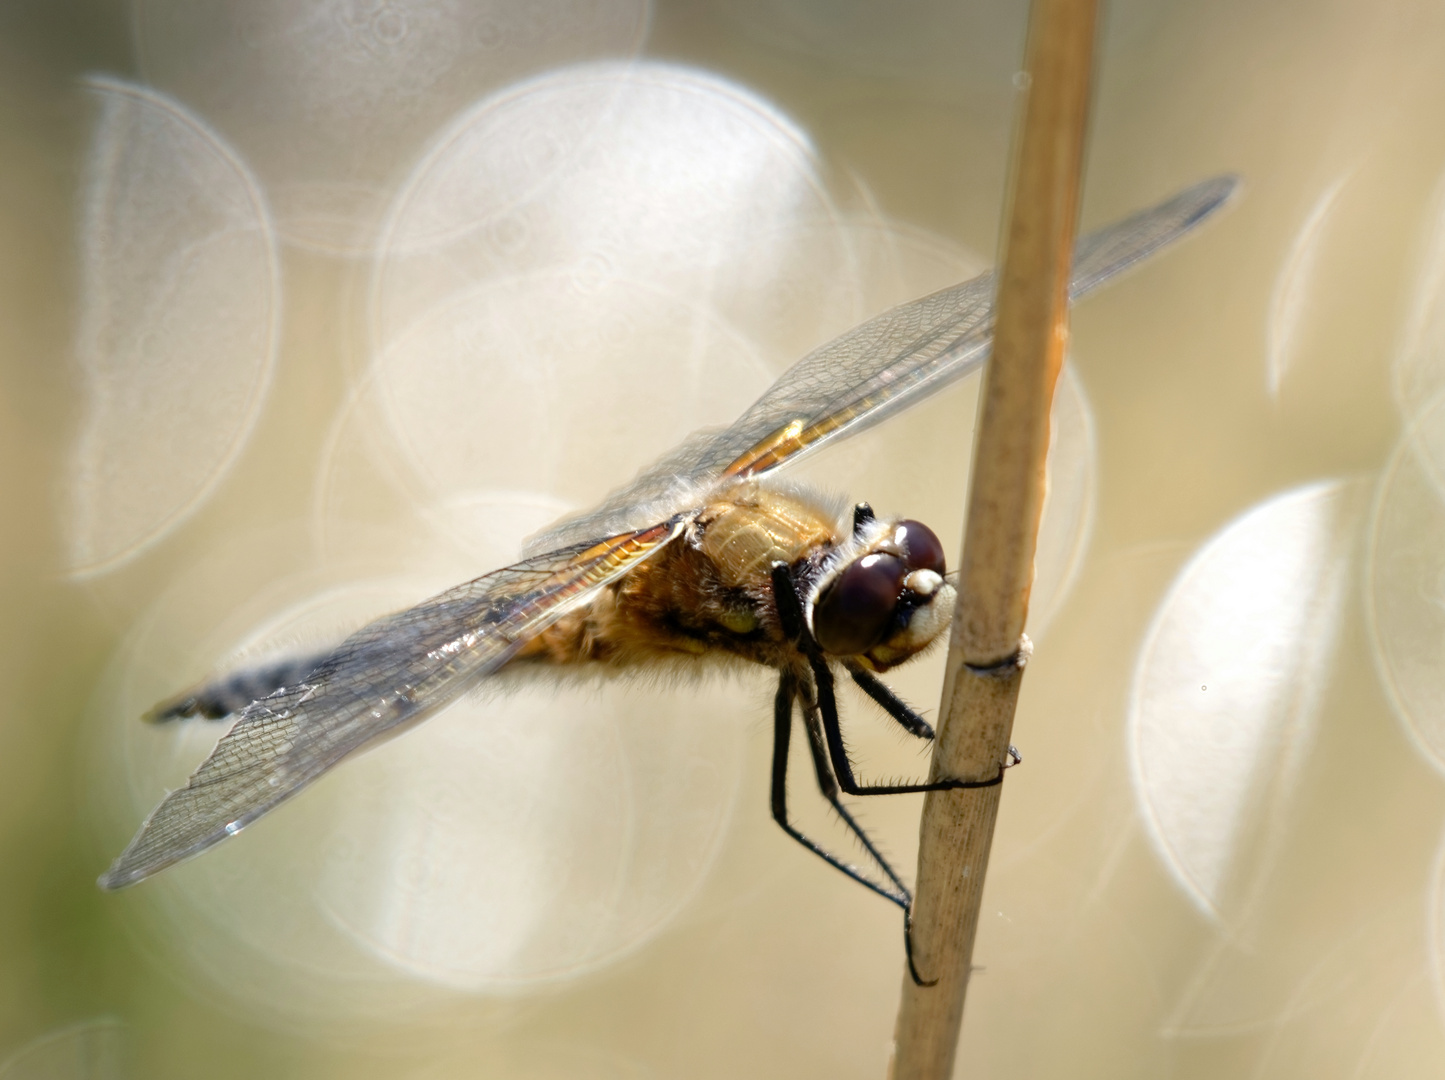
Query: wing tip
x=116 y=878
x=127 y=871
x=131 y=867
x=143 y=857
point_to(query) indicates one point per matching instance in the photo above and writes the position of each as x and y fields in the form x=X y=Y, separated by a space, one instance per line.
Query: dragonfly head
x=884 y=598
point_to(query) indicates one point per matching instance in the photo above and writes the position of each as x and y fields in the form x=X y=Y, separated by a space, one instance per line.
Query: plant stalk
x=987 y=649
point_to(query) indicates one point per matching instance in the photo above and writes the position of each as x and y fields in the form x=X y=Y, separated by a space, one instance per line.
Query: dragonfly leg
x=790 y=608
x=892 y=704
x=790 y=615
x=838 y=753
x=829 y=786
x=782 y=737
x=862 y=515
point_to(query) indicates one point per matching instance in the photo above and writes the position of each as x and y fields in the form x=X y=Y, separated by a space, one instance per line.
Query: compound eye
x=856 y=609
x=920 y=546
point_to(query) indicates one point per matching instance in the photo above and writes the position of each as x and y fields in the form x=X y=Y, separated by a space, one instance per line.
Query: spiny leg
x=782 y=737
x=897 y=708
x=790 y=607
x=790 y=615
x=794 y=627
x=838 y=753
x=891 y=703
x=862 y=515
x=788 y=689
x=828 y=785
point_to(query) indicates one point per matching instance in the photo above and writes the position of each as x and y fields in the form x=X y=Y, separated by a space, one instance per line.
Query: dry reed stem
x=987 y=648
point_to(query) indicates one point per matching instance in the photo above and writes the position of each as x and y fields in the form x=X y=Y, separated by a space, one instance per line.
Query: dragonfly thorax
x=756 y=527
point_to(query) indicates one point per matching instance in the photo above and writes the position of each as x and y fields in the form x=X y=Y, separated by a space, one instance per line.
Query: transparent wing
x=390 y=673
x=870 y=373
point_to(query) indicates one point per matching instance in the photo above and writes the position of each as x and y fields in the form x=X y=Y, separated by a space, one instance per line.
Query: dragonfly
x=703 y=556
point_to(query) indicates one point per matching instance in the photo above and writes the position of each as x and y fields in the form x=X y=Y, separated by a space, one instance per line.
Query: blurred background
x=310 y=308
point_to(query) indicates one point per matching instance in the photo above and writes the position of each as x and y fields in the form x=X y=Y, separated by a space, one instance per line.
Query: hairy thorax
x=707 y=593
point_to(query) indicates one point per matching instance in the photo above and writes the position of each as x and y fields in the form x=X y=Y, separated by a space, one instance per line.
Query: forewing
x=390 y=673
x=872 y=372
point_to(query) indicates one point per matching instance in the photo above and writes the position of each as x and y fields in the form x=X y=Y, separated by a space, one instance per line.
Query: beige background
x=1290 y=343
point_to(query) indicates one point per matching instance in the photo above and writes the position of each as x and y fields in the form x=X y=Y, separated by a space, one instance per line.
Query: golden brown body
x=708 y=591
